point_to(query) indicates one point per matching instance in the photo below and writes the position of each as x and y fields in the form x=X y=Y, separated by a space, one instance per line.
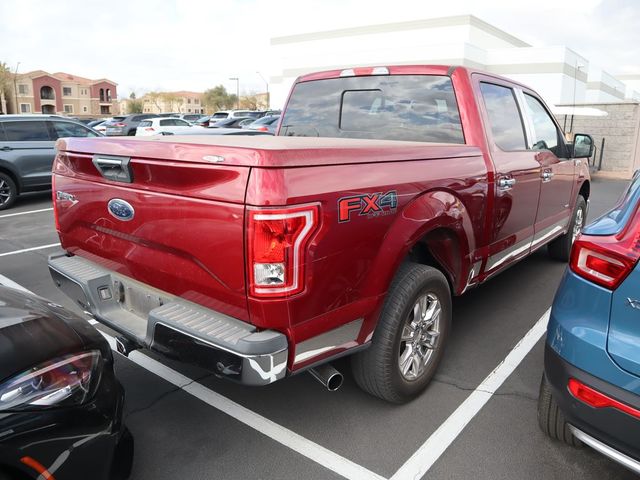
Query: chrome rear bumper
x=171 y=325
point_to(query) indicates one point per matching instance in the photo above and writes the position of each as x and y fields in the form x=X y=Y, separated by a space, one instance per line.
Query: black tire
x=131 y=132
x=377 y=370
x=551 y=419
x=560 y=248
x=8 y=191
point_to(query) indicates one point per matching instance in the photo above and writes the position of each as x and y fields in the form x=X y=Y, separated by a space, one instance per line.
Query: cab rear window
x=419 y=108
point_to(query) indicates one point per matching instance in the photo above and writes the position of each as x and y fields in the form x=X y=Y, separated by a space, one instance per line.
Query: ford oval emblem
x=120 y=209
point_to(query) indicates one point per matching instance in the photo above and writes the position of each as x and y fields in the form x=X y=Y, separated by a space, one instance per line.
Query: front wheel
x=8 y=191
x=560 y=248
x=410 y=338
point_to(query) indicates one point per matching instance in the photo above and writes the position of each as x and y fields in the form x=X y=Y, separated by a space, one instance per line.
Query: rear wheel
x=551 y=419
x=409 y=340
x=8 y=191
x=560 y=248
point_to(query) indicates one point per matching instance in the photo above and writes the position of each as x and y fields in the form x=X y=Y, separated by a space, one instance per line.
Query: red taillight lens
x=595 y=399
x=262 y=129
x=119 y=125
x=277 y=241
x=608 y=259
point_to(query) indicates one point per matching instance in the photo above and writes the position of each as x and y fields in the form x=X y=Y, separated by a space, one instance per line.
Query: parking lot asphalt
x=296 y=429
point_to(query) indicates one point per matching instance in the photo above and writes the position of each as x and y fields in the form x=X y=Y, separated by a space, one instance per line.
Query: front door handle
x=506 y=183
x=6 y=149
x=547 y=175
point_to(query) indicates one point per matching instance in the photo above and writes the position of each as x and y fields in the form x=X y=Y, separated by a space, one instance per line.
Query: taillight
x=596 y=399
x=119 y=125
x=277 y=246
x=262 y=129
x=150 y=129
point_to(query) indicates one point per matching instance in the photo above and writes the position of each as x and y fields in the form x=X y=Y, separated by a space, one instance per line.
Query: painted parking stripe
x=26 y=213
x=32 y=249
x=431 y=450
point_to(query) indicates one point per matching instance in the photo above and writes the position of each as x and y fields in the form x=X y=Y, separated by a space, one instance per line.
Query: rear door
x=28 y=146
x=557 y=170
x=517 y=181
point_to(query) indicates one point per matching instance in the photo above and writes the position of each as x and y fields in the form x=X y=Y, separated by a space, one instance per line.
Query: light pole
x=267 y=84
x=15 y=87
x=575 y=85
x=237 y=91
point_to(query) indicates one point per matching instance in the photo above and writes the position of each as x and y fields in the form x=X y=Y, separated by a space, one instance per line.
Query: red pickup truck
x=386 y=191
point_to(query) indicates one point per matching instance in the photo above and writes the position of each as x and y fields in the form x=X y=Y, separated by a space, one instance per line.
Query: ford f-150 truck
x=386 y=191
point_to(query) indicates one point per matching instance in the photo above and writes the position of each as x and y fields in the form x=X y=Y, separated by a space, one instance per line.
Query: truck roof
x=264 y=150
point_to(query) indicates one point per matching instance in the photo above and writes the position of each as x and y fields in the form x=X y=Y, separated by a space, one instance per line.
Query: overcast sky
x=196 y=44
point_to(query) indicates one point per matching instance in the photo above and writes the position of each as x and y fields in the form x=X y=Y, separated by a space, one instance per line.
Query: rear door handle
x=6 y=149
x=506 y=183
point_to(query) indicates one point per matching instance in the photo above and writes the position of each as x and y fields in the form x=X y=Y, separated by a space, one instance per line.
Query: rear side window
x=68 y=129
x=29 y=131
x=145 y=123
x=419 y=108
x=504 y=116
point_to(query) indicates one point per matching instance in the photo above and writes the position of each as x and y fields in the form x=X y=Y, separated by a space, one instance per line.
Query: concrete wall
x=620 y=129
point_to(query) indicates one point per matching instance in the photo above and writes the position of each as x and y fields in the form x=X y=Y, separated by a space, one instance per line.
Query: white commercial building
x=558 y=73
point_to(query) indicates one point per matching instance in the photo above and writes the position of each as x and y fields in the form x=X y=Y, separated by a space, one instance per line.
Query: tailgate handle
x=117 y=169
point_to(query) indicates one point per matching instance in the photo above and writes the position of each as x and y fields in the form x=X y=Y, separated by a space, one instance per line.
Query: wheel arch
x=585 y=189
x=433 y=229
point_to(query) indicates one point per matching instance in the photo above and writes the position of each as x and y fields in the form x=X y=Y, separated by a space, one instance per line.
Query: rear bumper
x=609 y=431
x=177 y=328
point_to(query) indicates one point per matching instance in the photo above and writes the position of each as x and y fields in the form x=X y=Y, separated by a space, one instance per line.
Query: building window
x=108 y=94
x=66 y=91
x=47 y=93
x=25 y=108
x=23 y=89
x=196 y=101
x=188 y=100
x=68 y=109
x=102 y=94
x=189 y=110
x=105 y=110
x=84 y=109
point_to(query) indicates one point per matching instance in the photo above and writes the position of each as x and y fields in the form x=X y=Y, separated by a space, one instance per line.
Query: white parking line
x=26 y=213
x=41 y=247
x=414 y=468
x=431 y=450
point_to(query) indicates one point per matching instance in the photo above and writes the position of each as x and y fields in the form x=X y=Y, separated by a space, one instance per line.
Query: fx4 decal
x=367 y=205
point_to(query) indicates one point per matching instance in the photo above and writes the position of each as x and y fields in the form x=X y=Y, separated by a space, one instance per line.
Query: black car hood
x=33 y=331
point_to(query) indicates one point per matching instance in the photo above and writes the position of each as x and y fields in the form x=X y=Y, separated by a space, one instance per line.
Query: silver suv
x=27 y=150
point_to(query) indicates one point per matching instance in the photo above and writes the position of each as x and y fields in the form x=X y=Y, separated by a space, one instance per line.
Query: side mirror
x=582 y=145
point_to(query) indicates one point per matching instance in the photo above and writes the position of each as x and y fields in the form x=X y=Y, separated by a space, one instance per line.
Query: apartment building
x=179 y=102
x=62 y=93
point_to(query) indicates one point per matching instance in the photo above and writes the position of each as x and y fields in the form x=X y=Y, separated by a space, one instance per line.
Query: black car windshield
x=419 y=108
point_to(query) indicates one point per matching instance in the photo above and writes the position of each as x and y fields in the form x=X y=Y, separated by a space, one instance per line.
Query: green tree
x=156 y=99
x=134 y=106
x=218 y=98
x=6 y=83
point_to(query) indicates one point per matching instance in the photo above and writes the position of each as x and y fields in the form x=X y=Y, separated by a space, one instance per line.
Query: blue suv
x=590 y=392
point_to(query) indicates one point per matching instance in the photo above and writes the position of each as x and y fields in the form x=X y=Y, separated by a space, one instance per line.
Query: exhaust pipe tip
x=328 y=376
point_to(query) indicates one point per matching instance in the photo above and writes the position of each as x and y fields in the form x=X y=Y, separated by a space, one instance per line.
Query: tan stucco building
x=178 y=102
x=62 y=93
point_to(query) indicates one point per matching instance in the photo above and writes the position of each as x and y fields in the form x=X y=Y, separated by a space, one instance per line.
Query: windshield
x=419 y=108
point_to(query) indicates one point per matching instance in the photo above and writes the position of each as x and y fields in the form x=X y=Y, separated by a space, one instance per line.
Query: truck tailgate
x=185 y=234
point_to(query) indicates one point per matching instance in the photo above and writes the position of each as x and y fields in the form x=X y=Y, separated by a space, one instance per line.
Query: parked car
x=282 y=264
x=98 y=121
x=222 y=114
x=60 y=403
x=168 y=114
x=590 y=392
x=264 y=124
x=120 y=126
x=27 y=149
x=101 y=125
x=219 y=131
x=190 y=117
x=202 y=121
x=160 y=125
x=236 y=122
